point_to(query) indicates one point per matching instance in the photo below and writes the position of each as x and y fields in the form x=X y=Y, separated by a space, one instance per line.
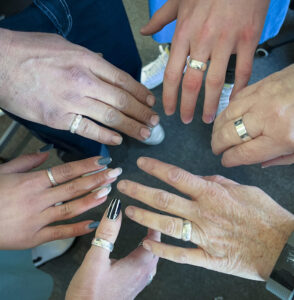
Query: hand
x=100 y=277
x=207 y=29
x=267 y=109
x=47 y=80
x=27 y=199
x=238 y=229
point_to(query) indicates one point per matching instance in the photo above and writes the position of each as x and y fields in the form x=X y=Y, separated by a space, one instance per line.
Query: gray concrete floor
x=187 y=146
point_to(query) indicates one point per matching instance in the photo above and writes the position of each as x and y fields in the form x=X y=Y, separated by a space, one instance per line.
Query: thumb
x=279 y=161
x=24 y=163
x=166 y=14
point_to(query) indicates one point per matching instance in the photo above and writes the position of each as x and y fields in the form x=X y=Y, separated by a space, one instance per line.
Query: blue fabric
x=274 y=20
x=101 y=26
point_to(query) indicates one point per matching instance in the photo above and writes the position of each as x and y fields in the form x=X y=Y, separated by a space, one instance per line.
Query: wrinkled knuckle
x=51 y=117
x=181 y=257
x=106 y=234
x=162 y=200
x=243 y=153
x=169 y=227
x=76 y=74
x=57 y=234
x=65 y=210
x=111 y=117
x=71 y=188
x=123 y=101
x=121 y=78
x=191 y=84
x=171 y=76
x=249 y=33
x=175 y=174
x=214 y=81
x=66 y=171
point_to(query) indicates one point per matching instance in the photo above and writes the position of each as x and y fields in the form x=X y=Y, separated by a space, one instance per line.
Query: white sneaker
x=50 y=250
x=156 y=137
x=225 y=97
x=153 y=73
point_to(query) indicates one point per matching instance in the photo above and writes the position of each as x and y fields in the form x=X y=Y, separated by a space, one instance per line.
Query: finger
x=279 y=161
x=69 y=171
x=24 y=163
x=166 y=14
x=122 y=101
x=111 y=74
x=156 y=198
x=180 y=179
x=167 y=225
x=255 y=151
x=174 y=72
x=80 y=186
x=227 y=136
x=108 y=229
x=113 y=118
x=214 y=81
x=60 y=232
x=220 y=180
x=180 y=255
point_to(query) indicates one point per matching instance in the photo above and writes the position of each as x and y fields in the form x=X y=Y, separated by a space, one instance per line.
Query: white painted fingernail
x=114 y=173
x=101 y=187
x=103 y=192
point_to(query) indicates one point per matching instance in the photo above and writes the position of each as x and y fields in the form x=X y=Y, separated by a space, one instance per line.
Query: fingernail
x=114 y=173
x=93 y=225
x=145 y=133
x=46 y=148
x=116 y=139
x=114 y=209
x=103 y=192
x=208 y=118
x=101 y=187
x=141 y=161
x=122 y=186
x=104 y=161
x=129 y=212
x=146 y=246
x=150 y=100
x=154 y=120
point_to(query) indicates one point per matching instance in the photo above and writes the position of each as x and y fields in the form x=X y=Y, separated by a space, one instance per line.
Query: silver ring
x=140 y=244
x=150 y=278
x=196 y=64
x=103 y=244
x=75 y=123
x=187 y=231
x=241 y=130
x=51 y=178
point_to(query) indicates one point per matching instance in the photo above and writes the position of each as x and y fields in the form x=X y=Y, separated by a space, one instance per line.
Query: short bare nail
x=154 y=120
x=141 y=161
x=130 y=212
x=114 y=173
x=145 y=133
x=116 y=139
x=150 y=100
x=122 y=186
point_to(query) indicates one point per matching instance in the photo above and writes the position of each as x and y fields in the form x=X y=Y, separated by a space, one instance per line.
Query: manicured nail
x=103 y=192
x=101 y=187
x=116 y=139
x=114 y=209
x=150 y=100
x=129 y=212
x=154 y=120
x=104 y=161
x=46 y=148
x=145 y=133
x=93 y=225
x=114 y=173
x=146 y=246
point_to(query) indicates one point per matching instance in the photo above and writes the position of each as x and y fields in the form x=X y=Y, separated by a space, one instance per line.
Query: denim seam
x=68 y=15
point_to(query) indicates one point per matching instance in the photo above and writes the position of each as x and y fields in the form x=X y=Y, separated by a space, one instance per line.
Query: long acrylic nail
x=103 y=192
x=46 y=148
x=104 y=161
x=114 y=173
x=114 y=209
x=93 y=225
x=145 y=133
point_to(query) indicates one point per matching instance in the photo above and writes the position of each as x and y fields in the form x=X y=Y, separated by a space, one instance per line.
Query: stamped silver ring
x=196 y=64
x=75 y=123
x=51 y=178
x=103 y=244
x=187 y=230
x=241 y=130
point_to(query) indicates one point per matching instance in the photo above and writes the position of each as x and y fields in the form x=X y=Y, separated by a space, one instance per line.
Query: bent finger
x=279 y=161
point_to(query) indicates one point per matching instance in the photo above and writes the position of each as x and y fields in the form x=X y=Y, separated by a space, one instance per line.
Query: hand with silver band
x=207 y=30
x=28 y=199
x=257 y=126
x=100 y=277
x=235 y=229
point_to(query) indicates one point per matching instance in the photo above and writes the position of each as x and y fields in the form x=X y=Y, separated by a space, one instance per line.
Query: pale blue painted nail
x=93 y=225
x=104 y=161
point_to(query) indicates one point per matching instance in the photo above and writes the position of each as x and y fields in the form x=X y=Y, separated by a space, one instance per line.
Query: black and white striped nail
x=114 y=209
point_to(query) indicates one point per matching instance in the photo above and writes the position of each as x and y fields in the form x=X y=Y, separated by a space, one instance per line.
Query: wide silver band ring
x=187 y=230
x=75 y=123
x=241 y=130
x=51 y=178
x=196 y=64
x=103 y=244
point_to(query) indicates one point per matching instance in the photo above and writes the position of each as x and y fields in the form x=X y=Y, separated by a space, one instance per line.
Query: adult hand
x=100 y=277
x=207 y=29
x=48 y=80
x=238 y=229
x=267 y=109
x=27 y=199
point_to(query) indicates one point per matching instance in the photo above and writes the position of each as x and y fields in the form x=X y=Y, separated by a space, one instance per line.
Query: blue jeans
x=101 y=26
